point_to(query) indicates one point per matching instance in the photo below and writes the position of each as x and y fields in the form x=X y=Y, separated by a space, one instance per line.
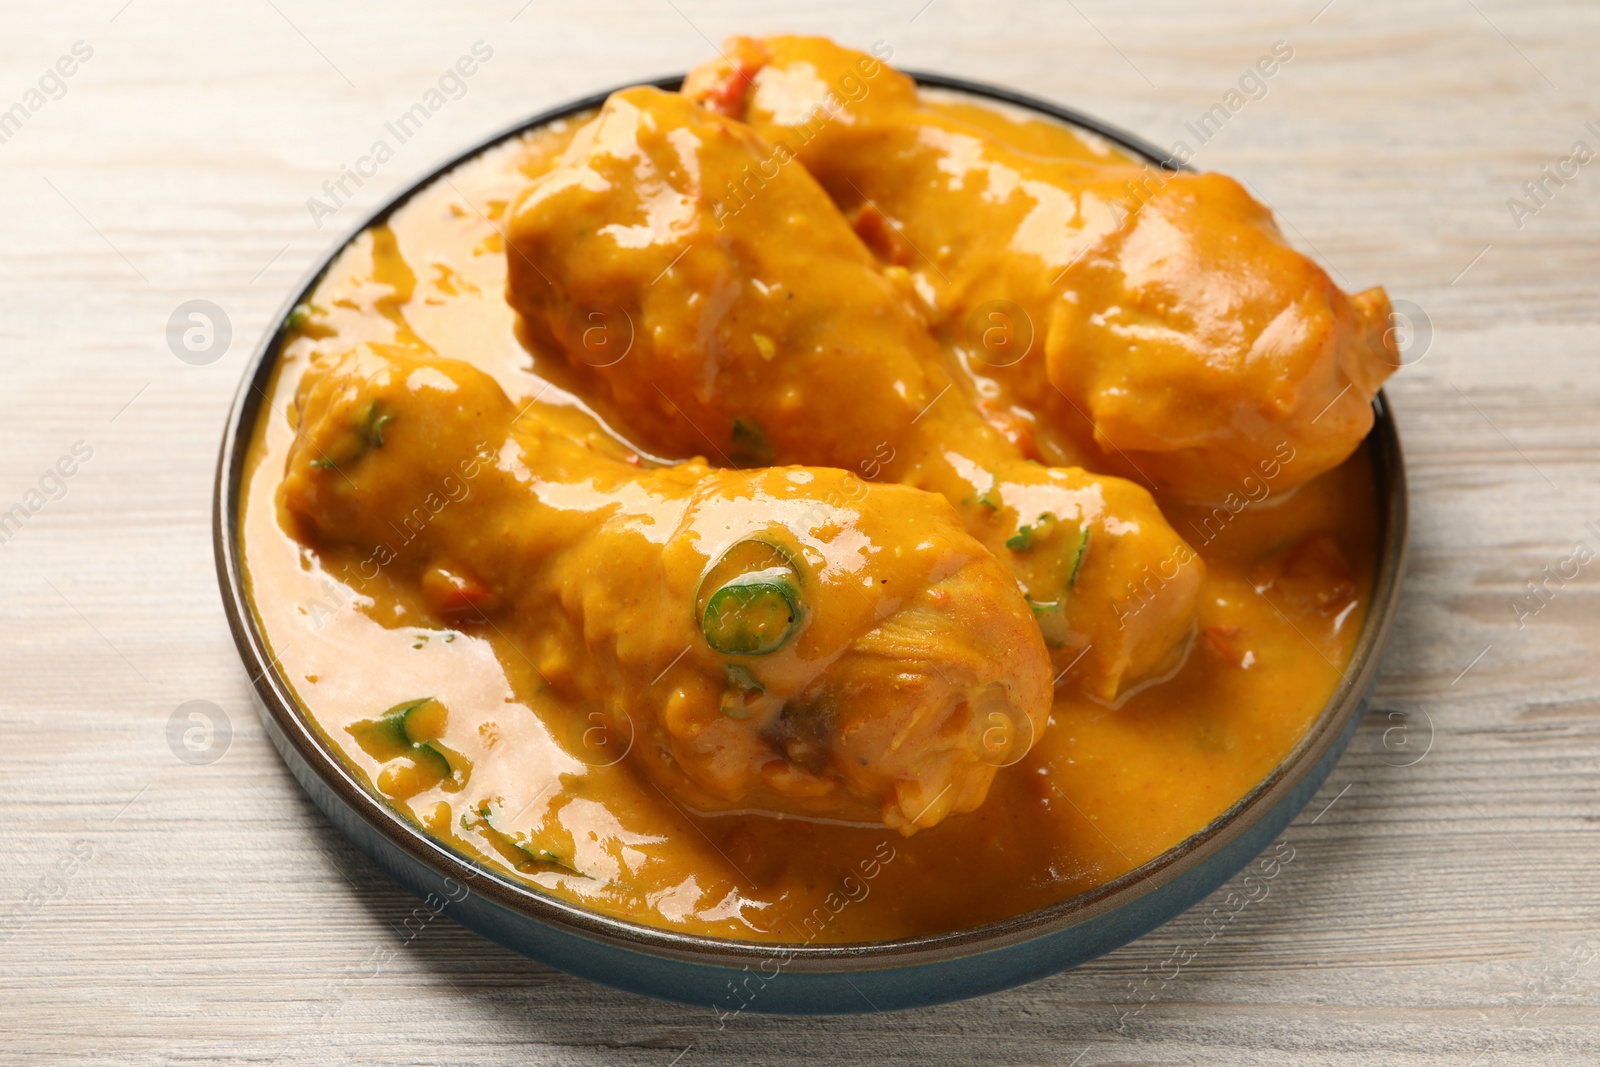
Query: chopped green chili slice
x=386 y=736
x=375 y=425
x=990 y=497
x=1077 y=557
x=1027 y=536
x=1051 y=614
x=753 y=614
x=368 y=435
x=750 y=445
x=742 y=694
x=307 y=320
x=429 y=756
x=524 y=855
x=748 y=602
x=411 y=729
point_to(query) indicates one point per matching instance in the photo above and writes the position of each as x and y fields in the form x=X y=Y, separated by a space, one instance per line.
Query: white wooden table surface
x=1443 y=902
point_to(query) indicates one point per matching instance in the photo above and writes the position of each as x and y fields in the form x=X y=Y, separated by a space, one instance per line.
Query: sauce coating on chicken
x=1155 y=317
x=789 y=640
x=769 y=334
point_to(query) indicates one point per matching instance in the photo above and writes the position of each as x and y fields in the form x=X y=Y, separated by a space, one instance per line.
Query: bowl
x=729 y=976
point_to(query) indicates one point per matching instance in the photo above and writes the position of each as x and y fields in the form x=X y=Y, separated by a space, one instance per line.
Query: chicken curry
x=804 y=508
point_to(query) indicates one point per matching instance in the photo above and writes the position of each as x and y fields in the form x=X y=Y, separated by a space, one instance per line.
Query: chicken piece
x=762 y=330
x=789 y=640
x=1176 y=332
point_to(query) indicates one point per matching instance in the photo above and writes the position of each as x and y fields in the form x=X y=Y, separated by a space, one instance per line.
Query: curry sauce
x=460 y=722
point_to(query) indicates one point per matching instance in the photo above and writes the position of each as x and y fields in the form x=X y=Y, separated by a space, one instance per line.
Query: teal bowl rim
x=612 y=950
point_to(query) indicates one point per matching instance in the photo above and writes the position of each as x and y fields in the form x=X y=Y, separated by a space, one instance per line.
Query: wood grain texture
x=1440 y=909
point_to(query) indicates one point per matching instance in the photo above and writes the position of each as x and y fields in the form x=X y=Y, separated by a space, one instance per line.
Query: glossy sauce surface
x=1103 y=790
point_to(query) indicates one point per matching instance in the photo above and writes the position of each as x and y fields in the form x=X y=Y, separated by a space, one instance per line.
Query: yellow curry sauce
x=544 y=792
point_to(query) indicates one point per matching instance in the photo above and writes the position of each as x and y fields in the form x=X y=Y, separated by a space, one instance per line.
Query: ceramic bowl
x=730 y=976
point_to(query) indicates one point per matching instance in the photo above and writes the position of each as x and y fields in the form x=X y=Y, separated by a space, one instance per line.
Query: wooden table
x=1443 y=901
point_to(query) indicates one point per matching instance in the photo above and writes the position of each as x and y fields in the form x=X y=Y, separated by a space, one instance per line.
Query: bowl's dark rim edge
x=278 y=700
